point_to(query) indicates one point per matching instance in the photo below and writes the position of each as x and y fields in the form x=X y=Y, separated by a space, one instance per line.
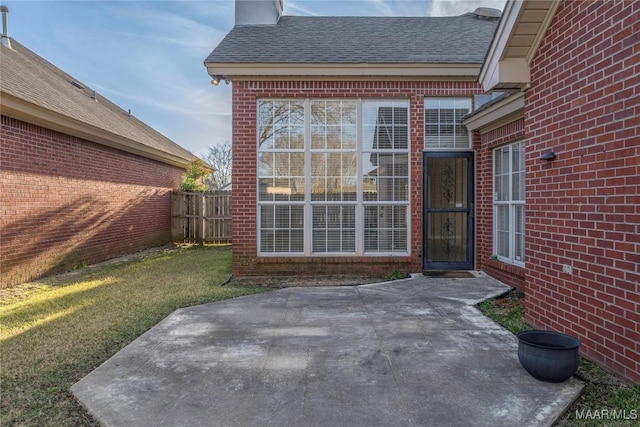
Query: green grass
x=507 y=311
x=605 y=399
x=55 y=331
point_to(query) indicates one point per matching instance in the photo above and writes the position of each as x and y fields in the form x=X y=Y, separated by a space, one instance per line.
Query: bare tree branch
x=219 y=156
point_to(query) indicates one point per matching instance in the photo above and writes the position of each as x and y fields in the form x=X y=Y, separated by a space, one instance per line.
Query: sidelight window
x=509 y=203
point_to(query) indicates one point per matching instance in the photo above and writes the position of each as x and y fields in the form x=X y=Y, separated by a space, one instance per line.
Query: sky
x=148 y=56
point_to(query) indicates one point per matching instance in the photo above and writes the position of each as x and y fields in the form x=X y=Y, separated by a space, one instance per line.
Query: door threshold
x=450 y=274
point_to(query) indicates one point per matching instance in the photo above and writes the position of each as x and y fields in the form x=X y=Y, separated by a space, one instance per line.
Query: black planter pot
x=549 y=356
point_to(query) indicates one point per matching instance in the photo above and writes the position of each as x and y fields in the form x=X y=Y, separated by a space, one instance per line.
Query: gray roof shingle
x=29 y=77
x=354 y=40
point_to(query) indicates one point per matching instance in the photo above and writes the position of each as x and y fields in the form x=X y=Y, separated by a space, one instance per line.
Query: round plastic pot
x=549 y=356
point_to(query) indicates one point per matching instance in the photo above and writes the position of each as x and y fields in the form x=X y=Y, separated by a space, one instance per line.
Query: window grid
x=509 y=203
x=443 y=126
x=352 y=163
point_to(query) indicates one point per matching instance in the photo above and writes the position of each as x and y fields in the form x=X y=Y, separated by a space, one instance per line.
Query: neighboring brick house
x=576 y=119
x=335 y=121
x=81 y=180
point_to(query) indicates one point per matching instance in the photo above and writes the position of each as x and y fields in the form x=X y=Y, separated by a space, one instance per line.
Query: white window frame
x=359 y=203
x=512 y=205
x=424 y=124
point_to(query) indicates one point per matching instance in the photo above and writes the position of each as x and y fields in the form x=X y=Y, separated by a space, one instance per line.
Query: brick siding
x=67 y=201
x=583 y=208
x=245 y=95
x=507 y=273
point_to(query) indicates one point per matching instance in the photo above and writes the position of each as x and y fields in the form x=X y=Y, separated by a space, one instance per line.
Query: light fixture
x=548 y=156
x=217 y=78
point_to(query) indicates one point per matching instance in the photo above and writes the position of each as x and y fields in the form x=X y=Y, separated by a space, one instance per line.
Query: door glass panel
x=447 y=237
x=447 y=183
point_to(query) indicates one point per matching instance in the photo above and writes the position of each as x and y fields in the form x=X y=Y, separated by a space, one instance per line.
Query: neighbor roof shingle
x=27 y=76
x=353 y=40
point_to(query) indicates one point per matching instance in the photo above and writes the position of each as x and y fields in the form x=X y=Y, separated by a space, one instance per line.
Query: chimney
x=258 y=12
x=5 y=27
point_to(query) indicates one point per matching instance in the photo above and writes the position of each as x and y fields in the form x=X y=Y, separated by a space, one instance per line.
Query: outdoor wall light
x=548 y=156
x=216 y=80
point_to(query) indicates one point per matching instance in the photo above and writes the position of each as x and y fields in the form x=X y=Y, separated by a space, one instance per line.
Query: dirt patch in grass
x=507 y=310
x=279 y=282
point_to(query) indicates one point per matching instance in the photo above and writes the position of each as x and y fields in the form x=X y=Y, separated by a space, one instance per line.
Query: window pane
x=334 y=228
x=509 y=182
x=280 y=124
x=385 y=170
x=502 y=230
x=385 y=125
x=443 y=122
x=501 y=174
x=385 y=228
x=281 y=172
x=518 y=171
x=519 y=233
x=333 y=144
x=264 y=193
x=331 y=176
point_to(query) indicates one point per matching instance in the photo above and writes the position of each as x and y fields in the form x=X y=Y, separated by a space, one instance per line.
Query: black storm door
x=448 y=211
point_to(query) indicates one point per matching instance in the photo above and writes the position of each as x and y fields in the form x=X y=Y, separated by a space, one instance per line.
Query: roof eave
x=500 y=71
x=20 y=109
x=505 y=111
x=257 y=71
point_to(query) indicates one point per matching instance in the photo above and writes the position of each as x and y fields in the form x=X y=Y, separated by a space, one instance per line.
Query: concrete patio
x=412 y=352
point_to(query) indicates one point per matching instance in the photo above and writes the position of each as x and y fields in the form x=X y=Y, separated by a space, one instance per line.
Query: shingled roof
x=358 y=40
x=36 y=91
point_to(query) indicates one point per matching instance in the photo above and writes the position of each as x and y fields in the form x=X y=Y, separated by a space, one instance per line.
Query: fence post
x=177 y=232
x=201 y=225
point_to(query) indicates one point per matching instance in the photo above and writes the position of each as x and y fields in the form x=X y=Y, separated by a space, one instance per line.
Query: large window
x=333 y=177
x=443 y=126
x=509 y=205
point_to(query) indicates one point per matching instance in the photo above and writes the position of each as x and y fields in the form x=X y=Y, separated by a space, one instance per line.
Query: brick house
x=570 y=135
x=329 y=139
x=81 y=180
x=376 y=144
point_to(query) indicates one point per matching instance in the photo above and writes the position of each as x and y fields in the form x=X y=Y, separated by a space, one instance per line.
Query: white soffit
x=521 y=30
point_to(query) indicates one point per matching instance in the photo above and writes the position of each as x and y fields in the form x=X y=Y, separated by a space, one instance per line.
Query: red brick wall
x=506 y=273
x=67 y=201
x=245 y=95
x=583 y=209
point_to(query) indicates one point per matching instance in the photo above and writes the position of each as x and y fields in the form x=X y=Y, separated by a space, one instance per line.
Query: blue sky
x=148 y=56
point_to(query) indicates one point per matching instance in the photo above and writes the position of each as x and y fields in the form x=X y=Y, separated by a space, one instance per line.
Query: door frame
x=470 y=262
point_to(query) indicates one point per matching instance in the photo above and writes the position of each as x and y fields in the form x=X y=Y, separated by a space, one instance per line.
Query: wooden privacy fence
x=201 y=217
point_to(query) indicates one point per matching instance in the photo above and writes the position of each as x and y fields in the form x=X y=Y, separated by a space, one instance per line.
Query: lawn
x=56 y=330
x=605 y=399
